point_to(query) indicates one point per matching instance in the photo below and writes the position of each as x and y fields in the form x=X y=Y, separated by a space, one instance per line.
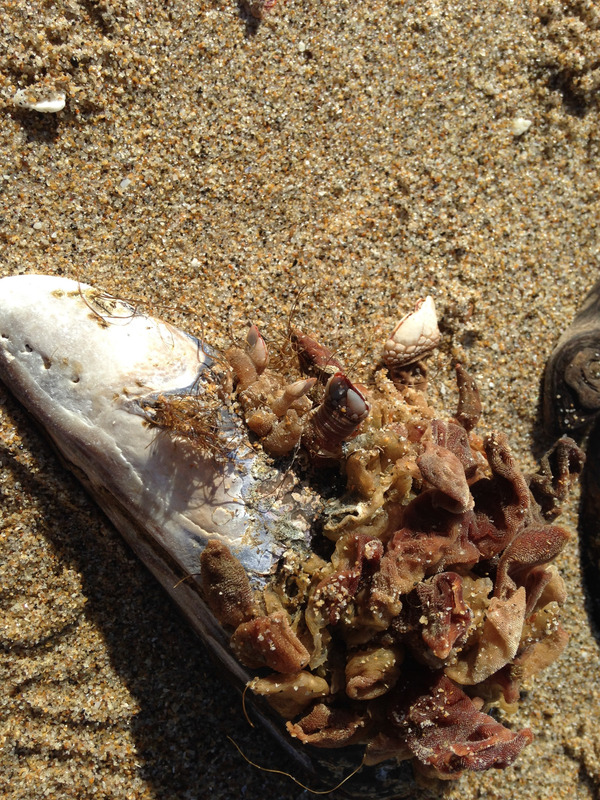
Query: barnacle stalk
x=390 y=616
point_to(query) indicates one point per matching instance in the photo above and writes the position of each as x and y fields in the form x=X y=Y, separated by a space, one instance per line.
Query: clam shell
x=87 y=366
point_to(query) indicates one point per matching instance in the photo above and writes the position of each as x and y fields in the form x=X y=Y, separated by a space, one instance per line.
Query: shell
x=571 y=404
x=52 y=103
x=88 y=366
x=414 y=337
x=91 y=369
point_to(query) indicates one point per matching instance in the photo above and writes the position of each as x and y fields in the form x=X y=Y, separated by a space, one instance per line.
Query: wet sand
x=331 y=164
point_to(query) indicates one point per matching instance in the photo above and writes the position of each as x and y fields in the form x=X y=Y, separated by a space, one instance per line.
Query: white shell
x=81 y=361
x=414 y=336
x=23 y=98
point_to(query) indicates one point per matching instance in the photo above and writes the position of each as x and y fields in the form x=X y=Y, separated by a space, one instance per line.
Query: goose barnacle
x=379 y=619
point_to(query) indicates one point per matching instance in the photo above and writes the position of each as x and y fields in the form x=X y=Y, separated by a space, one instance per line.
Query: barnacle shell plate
x=416 y=335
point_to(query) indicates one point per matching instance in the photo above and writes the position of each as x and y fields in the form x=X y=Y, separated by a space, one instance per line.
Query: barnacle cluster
x=437 y=599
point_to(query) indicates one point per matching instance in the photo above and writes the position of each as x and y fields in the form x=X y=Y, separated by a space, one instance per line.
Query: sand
x=331 y=164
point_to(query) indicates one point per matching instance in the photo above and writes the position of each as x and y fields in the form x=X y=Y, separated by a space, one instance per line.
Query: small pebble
x=520 y=125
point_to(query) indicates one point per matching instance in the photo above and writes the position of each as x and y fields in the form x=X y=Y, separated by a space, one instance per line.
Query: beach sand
x=330 y=165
